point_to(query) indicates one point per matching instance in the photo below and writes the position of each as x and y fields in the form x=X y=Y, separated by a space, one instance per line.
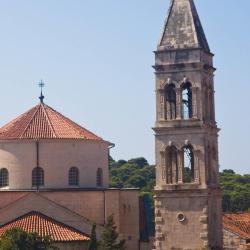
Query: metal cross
x=41 y=84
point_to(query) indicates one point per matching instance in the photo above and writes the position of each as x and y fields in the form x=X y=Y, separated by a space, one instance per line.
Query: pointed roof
x=43 y=122
x=35 y=222
x=183 y=28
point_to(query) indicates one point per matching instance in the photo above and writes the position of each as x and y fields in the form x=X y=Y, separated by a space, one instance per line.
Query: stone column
x=162 y=106
x=163 y=167
x=180 y=166
x=196 y=167
x=178 y=103
x=194 y=102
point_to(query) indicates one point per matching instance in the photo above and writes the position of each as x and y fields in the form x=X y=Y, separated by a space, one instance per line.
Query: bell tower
x=187 y=193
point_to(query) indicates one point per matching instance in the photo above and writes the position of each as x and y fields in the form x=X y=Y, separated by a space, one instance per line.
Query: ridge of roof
x=43 y=122
x=36 y=222
x=51 y=125
x=183 y=28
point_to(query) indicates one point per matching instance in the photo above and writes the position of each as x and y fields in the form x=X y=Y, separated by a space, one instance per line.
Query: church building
x=54 y=173
x=54 y=181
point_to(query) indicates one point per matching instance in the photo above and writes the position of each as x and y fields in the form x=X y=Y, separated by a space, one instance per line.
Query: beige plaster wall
x=71 y=245
x=55 y=157
x=79 y=209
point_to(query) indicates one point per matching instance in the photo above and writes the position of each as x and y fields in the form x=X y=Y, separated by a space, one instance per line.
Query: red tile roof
x=43 y=122
x=35 y=222
x=238 y=223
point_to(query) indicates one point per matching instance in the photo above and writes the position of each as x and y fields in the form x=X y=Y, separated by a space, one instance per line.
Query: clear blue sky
x=95 y=57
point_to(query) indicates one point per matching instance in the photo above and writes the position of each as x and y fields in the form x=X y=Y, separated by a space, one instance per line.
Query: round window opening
x=181 y=217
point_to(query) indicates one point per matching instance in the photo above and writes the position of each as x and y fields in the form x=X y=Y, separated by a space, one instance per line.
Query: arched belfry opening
x=187 y=103
x=170 y=101
x=171 y=165
x=188 y=164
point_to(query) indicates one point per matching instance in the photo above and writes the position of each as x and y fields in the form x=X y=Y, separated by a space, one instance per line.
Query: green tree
x=137 y=173
x=110 y=237
x=17 y=239
x=93 y=244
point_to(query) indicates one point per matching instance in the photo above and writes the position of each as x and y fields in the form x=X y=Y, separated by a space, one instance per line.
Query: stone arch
x=171 y=160
x=99 y=177
x=187 y=100
x=4 y=177
x=73 y=176
x=37 y=177
x=188 y=163
x=170 y=101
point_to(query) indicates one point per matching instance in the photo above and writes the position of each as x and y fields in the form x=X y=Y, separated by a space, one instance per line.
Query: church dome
x=43 y=122
x=42 y=149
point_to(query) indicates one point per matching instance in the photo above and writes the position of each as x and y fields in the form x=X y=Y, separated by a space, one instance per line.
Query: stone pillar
x=180 y=166
x=178 y=103
x=163 y=167
x=196 y=167
x=162 y=106
x=194 y=102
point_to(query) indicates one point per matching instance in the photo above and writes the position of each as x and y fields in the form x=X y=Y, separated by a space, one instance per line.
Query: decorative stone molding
x=158 y=228
x=159 y=236
x=204 y=235
x=203 y=219
x=158 y=219
x=158 y=203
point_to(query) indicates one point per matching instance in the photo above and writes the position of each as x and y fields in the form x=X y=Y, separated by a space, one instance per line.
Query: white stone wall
x=55 y=157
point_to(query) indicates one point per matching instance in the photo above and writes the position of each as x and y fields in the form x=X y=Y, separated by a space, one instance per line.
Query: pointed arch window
x=188 y=164
x=4 y=178
x=170 y=102
x=73 y=176
x=187 y=105
x=99 y=177
x=171 y=165
x=37 y=177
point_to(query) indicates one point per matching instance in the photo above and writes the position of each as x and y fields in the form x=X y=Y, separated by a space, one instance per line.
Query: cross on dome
x=41 y=85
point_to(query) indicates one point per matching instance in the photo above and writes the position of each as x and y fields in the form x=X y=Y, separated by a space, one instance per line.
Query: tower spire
x=183 y=28
x=41 y=84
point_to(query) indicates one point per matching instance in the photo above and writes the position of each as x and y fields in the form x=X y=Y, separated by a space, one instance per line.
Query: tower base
x=188 y=219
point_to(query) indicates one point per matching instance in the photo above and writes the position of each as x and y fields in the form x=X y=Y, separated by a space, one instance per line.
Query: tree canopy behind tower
x=137 y=173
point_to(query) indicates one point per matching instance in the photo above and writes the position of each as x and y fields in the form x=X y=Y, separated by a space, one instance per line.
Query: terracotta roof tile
x=35 y=222
x=43 y=122
x=238 y=223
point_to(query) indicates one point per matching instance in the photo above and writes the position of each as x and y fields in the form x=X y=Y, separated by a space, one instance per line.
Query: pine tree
x=93 y=244
x=109 y=237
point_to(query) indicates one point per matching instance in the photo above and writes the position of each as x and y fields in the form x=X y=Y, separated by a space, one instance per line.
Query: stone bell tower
x=187 y=193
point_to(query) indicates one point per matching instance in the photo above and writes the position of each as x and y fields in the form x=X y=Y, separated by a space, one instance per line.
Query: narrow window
x=37 y=177
x=73 y=176
x=99 y=177
x=4 y=178
x=172 y=165
x=170 y=102
x=188 y=163
x=187 y=108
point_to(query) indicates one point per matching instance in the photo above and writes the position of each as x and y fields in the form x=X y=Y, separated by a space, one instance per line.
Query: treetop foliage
x=93 y=243
x=110 y=237
x=17 y=239
x=137 y=173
